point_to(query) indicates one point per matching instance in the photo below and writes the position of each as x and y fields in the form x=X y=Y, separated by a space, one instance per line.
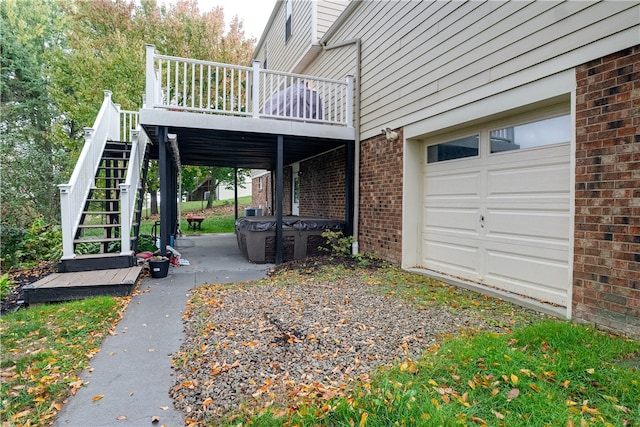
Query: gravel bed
x=257 y=344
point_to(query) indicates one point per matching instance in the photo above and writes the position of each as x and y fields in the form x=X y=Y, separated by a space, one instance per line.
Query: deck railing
x=110 y=124
x=191 y=85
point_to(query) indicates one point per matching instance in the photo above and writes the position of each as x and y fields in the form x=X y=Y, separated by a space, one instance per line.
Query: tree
x=33 y=158
x=106 y=50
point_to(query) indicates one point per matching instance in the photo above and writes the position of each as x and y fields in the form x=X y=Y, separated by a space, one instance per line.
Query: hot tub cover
x=265 y=223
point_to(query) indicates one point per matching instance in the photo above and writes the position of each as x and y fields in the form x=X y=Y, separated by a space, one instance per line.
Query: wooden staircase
x=97 y=240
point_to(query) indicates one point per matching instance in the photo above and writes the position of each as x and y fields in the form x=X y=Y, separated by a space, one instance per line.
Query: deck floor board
x=82 y=284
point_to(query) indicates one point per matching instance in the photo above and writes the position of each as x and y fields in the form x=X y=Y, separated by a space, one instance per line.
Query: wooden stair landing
x=82 y=284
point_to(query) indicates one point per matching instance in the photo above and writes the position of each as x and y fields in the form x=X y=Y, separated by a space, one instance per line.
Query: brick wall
x=606 y=288
x=322 y=185
x=264 y=197
x=380 y=225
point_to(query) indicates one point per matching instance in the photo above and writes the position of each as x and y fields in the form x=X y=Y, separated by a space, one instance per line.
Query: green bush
x=6 y=286
x=26 y=247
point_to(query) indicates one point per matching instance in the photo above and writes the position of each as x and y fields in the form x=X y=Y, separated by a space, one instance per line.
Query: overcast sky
x=254 y=13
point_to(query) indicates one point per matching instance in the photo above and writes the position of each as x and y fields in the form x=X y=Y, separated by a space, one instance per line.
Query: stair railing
x=73 y=194
x=129 y=189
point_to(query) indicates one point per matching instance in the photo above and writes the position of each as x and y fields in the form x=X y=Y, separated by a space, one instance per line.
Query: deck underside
x=84 y=284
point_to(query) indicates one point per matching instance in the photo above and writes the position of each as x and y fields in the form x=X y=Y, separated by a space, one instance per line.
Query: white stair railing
x=73 y=195
x=129 y=189
x=192 y=85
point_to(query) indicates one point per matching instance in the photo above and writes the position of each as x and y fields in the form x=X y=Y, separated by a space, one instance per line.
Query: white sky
x=254 y=13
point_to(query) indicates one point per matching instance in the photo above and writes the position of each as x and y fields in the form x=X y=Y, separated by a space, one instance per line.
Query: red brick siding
x=606 y=286
x=264 y=198
x=380 y=228
x=322 y=185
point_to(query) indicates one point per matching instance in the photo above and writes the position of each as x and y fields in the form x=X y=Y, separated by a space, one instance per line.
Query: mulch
x=22 y=277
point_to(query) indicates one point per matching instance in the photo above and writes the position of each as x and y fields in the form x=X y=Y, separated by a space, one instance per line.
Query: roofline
x=346 y=13
x=272 y=18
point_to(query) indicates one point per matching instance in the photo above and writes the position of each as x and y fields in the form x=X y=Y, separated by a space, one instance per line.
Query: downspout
x=356 y=126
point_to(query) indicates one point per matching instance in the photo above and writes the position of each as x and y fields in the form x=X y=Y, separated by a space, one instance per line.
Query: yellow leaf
x=507 y=357
x=514 y=379
x=534 y=387
x=565 y=384
x=571 y=402
x=98 y=397
x=494 y=392
x=208 y=401
x=363 y=419
x=592 y=411
x=435 y=402
x=590 y=371
x=471 y=384
x=478 y=420
x=497 y=414
x=583 y=423
x=432 y=382
x=425 y=416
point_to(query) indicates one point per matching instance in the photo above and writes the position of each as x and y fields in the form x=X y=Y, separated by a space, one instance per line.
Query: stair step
x=87 y=226
x=97 y=240
x=100 y=212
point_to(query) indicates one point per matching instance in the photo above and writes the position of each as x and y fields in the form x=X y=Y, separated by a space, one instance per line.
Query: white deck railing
x=110 y=124
x=191 y=85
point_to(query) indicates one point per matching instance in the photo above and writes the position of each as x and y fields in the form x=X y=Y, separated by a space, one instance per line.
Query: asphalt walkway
x=132 y=372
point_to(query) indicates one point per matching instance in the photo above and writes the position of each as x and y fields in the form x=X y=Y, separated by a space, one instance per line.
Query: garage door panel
x=455 y=259
x=535 y=226
x=520 y=181
x=450 y=220
x=454 y=186
x=527 y=274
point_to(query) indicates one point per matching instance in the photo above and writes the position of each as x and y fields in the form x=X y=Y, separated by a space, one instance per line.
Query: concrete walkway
x=133 y=368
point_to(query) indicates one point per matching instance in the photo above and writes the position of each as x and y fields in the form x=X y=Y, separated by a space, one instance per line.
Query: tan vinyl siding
x=283 y=55
x=328 y=11
x=424 y=58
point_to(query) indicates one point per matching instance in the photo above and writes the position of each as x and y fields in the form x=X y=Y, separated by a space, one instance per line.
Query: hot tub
x=301 y=237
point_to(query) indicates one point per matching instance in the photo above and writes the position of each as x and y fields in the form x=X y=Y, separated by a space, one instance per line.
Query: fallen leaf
x=478 y=420
x=208 y=401
x=98 y=397
x=514 y=379
x=363 y=419
x=497 y=414
x=513 y=393
x=155 y=419
x=591 y=371
x=121 y=417
x=164 y=408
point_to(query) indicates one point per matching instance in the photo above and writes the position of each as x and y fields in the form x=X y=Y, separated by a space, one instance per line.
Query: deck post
x=279 y=195
x=164 y=169
x=349 y=101
x=255 y=90
x=349 y=178
x=149 y=77
x=235 y=190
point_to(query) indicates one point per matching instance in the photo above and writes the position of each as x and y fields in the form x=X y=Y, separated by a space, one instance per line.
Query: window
x=289 y=7
x=543 y=132
x=456 y=149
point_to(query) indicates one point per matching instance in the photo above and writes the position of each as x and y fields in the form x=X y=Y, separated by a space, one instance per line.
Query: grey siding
x=425 y=58
x=283 y=55
x=328 y=12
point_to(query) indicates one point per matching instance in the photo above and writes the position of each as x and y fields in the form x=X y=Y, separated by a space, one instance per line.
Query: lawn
x=44 y=349
x=218 y=219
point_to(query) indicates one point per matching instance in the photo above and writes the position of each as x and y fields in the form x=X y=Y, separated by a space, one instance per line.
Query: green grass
x=44 y=348
x=537 y=372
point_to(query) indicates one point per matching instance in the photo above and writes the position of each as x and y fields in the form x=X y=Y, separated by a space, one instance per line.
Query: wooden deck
x=84 y=284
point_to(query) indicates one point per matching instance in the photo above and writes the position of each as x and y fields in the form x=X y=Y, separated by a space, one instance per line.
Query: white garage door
x=497 y=209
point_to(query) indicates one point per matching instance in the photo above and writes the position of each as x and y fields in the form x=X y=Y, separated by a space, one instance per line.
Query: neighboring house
x=513 y=160
x=221 y=192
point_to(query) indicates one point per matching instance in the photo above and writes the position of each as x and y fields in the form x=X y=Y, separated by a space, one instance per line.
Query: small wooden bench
x=194 y=221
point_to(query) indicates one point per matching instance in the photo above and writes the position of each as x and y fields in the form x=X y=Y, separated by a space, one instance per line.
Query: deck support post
x=164 y=167
x=348 y=191
x=235 y=190
x=279 y=196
